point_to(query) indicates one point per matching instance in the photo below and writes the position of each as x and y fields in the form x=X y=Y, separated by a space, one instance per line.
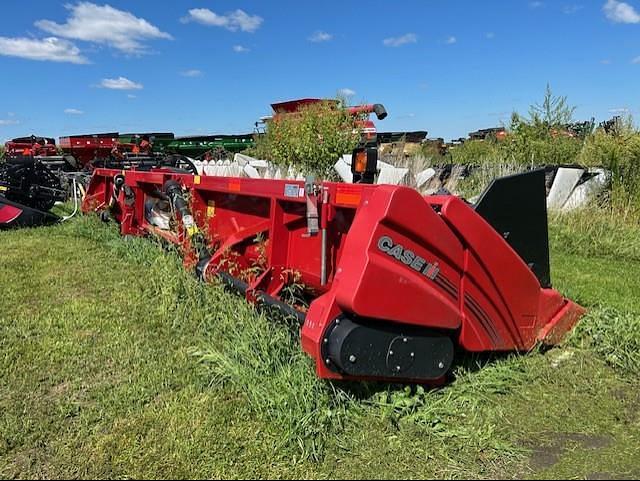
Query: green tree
x=554 y=111
x=309 y=141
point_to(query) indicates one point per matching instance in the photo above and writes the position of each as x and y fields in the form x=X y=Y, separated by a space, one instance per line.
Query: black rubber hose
x=173 y=191
x=283 y=307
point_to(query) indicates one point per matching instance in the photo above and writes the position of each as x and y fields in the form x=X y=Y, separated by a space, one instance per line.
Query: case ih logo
x=408 y=257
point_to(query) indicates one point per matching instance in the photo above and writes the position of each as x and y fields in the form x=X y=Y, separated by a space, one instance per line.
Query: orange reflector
x=234 y=186
x=361 y=162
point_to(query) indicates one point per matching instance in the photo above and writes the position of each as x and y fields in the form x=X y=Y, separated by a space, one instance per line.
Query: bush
x=478 y=153
x=620 y=154
x=524 y=148
x=309 y=142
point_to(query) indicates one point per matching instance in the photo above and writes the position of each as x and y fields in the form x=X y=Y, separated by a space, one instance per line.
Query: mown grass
x=116 y=363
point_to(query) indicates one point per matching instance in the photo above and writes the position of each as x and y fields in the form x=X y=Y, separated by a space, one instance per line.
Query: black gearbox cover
x=383 y=350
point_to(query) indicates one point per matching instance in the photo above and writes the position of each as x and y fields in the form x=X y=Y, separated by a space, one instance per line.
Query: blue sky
x=203 y=66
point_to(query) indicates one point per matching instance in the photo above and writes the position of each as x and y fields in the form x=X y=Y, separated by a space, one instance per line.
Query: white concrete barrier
x=393 y=176
x=564 y=183
x=425 y=176
x=344 y=170
x=588 y=191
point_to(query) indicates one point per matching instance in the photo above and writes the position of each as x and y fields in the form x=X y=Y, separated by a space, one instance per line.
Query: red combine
x=389 y=284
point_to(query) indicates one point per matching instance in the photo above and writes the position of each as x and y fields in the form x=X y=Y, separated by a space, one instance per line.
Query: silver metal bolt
x=326 y=341
x=398 y=368
x=413 y=354
x=405 y=340
x=391 y=353
x=327 y=361
x=338 y=322
x=441 y=365
x=352 y=359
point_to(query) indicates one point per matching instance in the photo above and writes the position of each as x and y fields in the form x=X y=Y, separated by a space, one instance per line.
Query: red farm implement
x=86 y=148
x=389 y=284
x=31 y=146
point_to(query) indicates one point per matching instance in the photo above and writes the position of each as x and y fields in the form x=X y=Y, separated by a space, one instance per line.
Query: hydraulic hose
x=174 y=192
x=118 y=184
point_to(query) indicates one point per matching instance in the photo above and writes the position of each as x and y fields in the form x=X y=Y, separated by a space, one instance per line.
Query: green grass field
x=115 y=363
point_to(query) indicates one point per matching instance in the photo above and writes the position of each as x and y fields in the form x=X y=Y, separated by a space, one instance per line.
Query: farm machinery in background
x=35 y=167
x=28 y=191
x=36 y=173
x=33 y=177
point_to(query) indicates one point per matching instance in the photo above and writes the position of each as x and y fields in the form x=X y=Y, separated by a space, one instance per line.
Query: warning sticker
x=292 y=190
x=349 y=195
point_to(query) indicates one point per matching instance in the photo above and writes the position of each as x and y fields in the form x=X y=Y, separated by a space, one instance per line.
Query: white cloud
x=4 y=122
x=320 y=36
x=191 y=73
x=234 y=21
x=240 y=49
x=490 y=35
x=621 y=12
x=346 y=92
x=121 y=83
x=48 y=49
x=105 y=25
x=131 y=96
x=451 y=40
x=536 y=4
x=399 y=41
x=73 y=112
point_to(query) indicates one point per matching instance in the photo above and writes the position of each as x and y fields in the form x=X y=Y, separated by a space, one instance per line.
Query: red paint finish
x=86 y=148
x=391 y=255
x=39 y=147
x=8 y=214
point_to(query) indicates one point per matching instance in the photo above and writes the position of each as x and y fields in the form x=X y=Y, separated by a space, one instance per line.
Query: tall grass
x=614 y=335
x=610 y=231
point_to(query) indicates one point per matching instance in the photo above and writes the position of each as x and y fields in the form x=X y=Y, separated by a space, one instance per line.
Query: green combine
x=160 y=141
x=211 y=145
x=195 y=147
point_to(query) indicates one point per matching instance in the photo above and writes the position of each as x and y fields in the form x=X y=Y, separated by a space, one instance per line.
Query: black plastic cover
x=516 y=207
